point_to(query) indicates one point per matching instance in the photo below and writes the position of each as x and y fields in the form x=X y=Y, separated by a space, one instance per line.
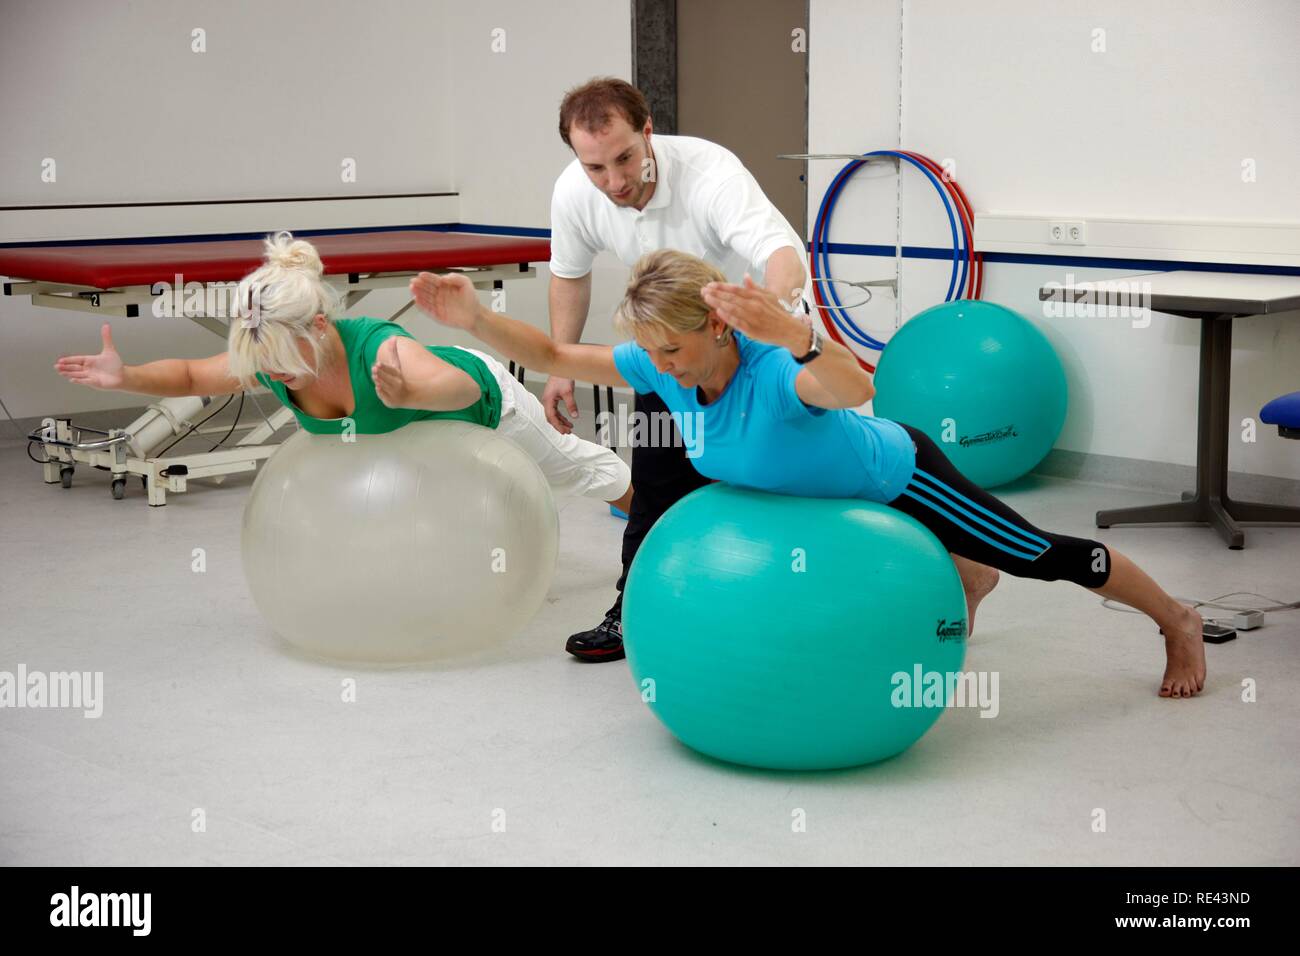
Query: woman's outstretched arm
x=172 y=378
x=452 y=301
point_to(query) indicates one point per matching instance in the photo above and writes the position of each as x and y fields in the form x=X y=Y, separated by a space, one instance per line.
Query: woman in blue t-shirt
x=761 y=401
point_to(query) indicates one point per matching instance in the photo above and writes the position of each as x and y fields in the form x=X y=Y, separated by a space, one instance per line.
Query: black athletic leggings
x=971 y=523
x=662 y=475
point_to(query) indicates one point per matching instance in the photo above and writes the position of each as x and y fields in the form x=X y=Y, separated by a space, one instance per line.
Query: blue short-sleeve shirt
x=759 y=434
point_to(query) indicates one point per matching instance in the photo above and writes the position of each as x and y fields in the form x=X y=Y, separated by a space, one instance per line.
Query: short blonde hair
x=663 y=295
x=277 y=303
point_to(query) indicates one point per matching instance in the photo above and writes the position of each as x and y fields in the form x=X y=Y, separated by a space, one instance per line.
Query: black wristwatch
x=814 y=350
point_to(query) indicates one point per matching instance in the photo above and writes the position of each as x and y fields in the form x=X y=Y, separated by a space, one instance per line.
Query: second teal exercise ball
x=792 y=633
x=979 y=379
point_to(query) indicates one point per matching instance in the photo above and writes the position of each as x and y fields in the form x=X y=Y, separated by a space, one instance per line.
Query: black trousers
x=971 y=523
x=661 y=477
x=966 y=519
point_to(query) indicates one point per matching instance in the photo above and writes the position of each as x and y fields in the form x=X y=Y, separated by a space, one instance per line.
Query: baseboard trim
x=1160 y=476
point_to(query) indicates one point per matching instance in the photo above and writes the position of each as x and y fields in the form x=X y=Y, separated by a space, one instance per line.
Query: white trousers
x=572 y=465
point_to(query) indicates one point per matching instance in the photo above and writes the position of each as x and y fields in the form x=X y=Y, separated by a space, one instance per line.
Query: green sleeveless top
x=361 y=340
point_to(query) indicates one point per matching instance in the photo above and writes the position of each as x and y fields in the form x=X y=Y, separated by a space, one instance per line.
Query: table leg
x=1208 y=504
x=1223 y=523
x=613 y=428
x=613 y=432
x=1262 y=511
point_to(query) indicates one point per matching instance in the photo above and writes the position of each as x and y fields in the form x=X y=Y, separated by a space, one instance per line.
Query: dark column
x=654 y=59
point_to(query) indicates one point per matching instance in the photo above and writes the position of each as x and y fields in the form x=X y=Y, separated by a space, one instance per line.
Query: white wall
x=114 y=93
x=1156 y=127
x=409 y=88
x=505 y=114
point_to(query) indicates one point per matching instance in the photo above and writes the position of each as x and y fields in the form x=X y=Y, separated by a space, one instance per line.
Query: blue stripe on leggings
x=966 y=504
x=1024 y=555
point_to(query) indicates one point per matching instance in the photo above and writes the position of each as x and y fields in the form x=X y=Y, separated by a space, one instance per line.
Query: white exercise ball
x=434 y=540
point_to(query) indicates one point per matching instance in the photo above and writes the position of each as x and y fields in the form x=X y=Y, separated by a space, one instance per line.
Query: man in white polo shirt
x=632 y=193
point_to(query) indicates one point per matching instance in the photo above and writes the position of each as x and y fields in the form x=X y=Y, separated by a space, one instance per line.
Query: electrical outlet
x=1067 y=232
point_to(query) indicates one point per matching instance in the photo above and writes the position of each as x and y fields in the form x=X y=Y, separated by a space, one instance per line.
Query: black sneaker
x=604 y=642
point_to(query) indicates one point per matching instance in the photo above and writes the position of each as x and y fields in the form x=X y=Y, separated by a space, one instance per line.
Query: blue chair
x=1284 y=412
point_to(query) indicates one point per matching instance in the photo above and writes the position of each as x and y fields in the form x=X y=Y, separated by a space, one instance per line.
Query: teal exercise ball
x=791 y=633
x=979 y=379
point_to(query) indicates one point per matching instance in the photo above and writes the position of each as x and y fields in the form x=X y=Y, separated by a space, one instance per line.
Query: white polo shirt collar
x=663 y=194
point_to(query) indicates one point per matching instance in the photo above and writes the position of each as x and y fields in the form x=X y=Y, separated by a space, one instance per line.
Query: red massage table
x=116 y=279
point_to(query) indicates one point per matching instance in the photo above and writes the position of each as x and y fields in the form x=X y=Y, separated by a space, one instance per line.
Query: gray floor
x=206 y=710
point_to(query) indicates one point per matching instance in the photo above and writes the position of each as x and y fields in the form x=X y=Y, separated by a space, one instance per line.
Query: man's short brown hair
x=593 y=106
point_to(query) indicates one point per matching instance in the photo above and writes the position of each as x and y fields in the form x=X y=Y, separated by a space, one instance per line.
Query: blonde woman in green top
x=364 y=375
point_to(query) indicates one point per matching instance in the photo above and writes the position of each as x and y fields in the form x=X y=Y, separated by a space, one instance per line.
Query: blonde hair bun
x=290 y=291
x=283 y=250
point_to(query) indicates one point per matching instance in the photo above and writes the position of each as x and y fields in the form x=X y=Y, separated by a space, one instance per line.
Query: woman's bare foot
x=1185 y=653
x=977 y=580
x=1181 y=625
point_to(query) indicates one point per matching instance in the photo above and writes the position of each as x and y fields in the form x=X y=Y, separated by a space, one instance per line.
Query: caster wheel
x=119 y=489
x=65 y=477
